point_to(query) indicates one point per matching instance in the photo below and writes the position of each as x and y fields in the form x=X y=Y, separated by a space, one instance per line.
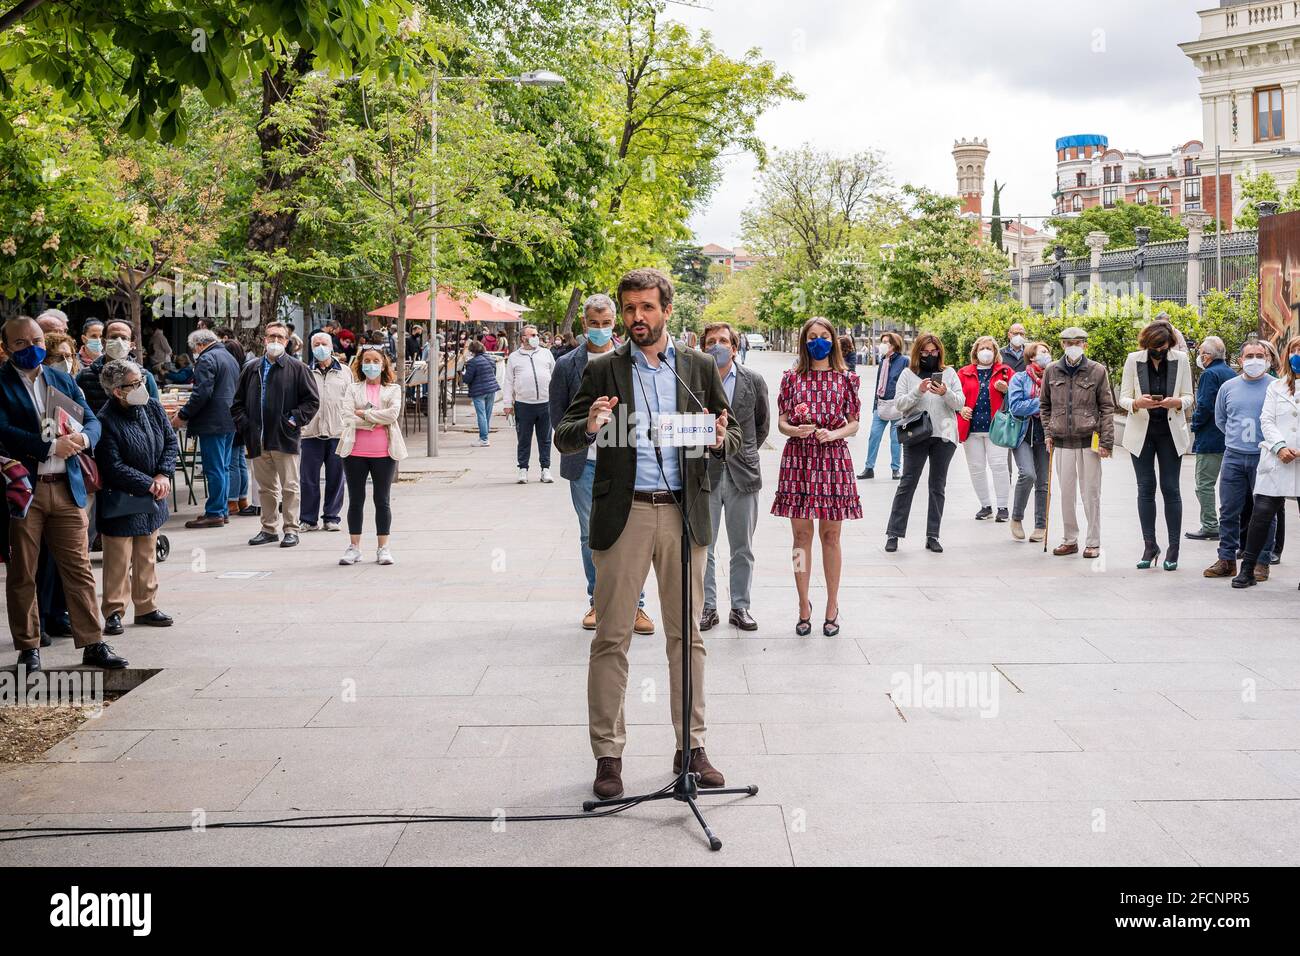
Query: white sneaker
x=309 y=527
x=331 y=526
x=483 y=443
x=351 y=556
x=523 y=477
x=546 y=477
x=384 y=556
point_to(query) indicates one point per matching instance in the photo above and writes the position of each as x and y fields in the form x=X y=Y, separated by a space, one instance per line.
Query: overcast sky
x=910 y=76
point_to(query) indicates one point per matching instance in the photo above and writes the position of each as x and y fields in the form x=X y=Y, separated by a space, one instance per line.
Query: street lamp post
x=542 y=78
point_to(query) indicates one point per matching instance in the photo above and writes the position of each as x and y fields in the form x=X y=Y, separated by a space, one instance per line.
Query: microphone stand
x=686 y=789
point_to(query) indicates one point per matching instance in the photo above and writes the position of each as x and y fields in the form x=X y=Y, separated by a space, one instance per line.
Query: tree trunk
x=272 y=222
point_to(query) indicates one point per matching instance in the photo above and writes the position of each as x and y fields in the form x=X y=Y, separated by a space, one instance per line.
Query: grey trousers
x=741 y=511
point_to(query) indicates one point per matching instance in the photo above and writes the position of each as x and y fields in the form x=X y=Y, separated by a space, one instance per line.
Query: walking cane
x=1047 y=523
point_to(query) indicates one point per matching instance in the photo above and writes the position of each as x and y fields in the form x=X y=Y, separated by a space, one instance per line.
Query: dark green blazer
x=610 y=376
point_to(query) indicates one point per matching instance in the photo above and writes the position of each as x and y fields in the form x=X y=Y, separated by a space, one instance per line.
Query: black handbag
x=915 y=430
x=115 y=503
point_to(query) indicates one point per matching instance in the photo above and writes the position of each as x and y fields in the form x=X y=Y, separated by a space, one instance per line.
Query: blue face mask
x=599 y=337
x=820 y=348
x=1295 y=364
x=29 y=358
x=371 y=369
x=721 y=354
x=322 y=352
x=94 y=346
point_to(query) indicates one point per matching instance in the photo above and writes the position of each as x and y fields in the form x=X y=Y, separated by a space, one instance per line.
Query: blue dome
x=1086 y=139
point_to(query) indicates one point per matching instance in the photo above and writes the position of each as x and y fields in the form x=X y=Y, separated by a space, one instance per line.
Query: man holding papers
x=31 y=397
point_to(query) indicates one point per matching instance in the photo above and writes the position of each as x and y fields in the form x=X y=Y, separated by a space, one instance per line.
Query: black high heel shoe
x=831 y=626
x=1149 y=557
x=1171 y=559
x=804 y=627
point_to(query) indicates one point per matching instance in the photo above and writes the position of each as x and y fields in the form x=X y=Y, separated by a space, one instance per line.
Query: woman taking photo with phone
x=371 y=446
x=928 y=397
x=1156 y=391
x=819 y=409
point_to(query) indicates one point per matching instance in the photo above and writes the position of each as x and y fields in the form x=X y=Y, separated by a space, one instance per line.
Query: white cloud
x=910 y=77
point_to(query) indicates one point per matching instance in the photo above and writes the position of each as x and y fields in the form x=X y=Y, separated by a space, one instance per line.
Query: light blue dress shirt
x=729 y=383
x=656 y=387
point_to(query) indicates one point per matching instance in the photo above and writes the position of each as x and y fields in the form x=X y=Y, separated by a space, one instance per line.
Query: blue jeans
x=239 y=486
x=1236 y=487
x=580 y=493
x=483 y=410
x=315 y=453
x=878 y=427
x=215 y=450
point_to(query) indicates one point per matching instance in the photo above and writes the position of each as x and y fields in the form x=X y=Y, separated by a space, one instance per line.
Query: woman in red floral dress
x=819 y=409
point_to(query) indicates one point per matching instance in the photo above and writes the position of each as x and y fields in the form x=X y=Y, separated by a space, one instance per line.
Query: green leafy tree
x=1255 y=189
x=135 y=59
x=1119 y=223
x=737 y=301
x=938 y=259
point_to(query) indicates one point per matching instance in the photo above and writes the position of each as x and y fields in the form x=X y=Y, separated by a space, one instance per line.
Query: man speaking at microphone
x=635 y=518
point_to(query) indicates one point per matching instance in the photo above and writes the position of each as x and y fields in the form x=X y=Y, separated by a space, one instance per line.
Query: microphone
x=663 y=357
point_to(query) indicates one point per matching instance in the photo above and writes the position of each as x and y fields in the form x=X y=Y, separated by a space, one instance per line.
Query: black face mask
x=929 y=364
x=1159 y=354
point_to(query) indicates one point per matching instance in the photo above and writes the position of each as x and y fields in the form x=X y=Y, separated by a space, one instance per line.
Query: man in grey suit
x=579 y=470
x=737 y=479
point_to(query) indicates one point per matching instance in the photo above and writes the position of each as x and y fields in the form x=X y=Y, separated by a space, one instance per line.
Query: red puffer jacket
x=970 y=386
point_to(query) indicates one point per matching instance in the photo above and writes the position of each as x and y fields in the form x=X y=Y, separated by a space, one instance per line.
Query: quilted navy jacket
x=137 y=443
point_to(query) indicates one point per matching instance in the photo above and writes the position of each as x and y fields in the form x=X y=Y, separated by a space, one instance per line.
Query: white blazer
x=1279 y=422
x=356 y=415
x=1132 y=388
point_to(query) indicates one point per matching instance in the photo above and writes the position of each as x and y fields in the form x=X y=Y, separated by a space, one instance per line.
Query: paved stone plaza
x=1136 y=718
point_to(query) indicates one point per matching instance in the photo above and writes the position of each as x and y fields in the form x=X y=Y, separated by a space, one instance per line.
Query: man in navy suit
x=57 y=514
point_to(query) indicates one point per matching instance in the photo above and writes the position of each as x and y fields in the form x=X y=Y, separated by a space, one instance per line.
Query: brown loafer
x=643 y=623
x=1221 y=569
x=1261 y=572
x=710 y=776
x=589 y=620
x=609 y=778
x=1092 y=553
x=207 y=521
x=1062 y=550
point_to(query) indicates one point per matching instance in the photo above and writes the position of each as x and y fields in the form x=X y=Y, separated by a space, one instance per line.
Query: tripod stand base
x=686 y=790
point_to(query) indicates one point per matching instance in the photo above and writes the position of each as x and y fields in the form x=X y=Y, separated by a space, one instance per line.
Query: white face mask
x=117 y=348
x=1074 y=353
x=63 y=366
x=1254 y=367
x=1200 y=362
x=274 y=350
x=1018 y=341
x=1042 y=359
x=138 y=395
x=883 y=349
x=533 y=341
x=985 y=356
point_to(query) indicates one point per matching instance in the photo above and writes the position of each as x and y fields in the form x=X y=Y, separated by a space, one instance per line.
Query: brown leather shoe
x=643 y=623
x=589 y=620
x=1261 y=572
x=207 y=521
x=710 y=776
x=1065 y=549
x=609 y=778
x=232 y=506
x=1092 y=553
x=1221 y=569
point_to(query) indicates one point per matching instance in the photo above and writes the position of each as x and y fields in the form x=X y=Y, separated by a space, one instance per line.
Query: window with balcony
x=1105 y=175
x=1142 y=197
x=1269 y=123
x=1166 y=196
x=1077 y=204
x=1081 y=179
x=1110 y=196
x=1189 y=167
x=1192 y=190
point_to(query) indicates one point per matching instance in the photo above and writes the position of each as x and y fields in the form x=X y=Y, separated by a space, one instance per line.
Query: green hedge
x=1112 y=330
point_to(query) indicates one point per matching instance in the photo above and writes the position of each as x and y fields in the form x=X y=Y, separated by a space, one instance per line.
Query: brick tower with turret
x=970 y=157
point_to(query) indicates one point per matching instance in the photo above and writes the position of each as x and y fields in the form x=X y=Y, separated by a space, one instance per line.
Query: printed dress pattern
x=817 y=481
